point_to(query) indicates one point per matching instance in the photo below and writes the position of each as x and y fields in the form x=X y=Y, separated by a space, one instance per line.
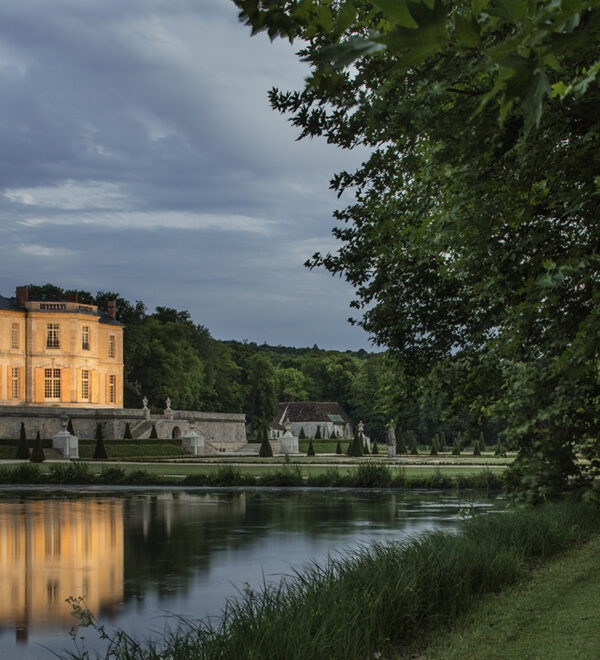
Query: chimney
x=112 y=309
x=22 y=295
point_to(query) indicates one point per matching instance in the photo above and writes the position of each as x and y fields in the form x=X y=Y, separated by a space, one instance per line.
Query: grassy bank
x=553 y=615
x=379 y=601
x=364 y=475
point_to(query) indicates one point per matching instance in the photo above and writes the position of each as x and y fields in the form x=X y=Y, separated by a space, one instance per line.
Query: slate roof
x=310 y=411
x=11 y=304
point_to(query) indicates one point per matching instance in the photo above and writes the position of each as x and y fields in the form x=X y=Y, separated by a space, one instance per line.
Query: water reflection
x=50 y=550
x=137 y=555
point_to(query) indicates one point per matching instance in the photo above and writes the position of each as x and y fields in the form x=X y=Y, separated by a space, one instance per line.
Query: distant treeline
x=167 y=354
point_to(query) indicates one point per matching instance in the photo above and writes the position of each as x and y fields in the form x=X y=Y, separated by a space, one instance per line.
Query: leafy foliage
x=472 y=240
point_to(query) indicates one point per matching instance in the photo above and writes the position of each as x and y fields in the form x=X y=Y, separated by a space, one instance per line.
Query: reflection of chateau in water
x=53 y=549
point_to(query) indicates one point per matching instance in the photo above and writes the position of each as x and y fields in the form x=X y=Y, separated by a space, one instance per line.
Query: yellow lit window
x=85 y=337
x=111 y=346
x=52 y=383
x=85 y=384
x=52 y=335
x=14 y=336
x=112 y=387
x=15 y=384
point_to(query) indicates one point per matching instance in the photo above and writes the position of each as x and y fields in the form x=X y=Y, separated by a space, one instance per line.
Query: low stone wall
x=221 y=431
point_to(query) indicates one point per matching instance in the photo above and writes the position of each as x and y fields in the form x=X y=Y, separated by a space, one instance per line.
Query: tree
x=338 y=448
x=127 y=434
x=100 y=449
x=153 y=433
x=481 y=441
x=301 y=435
x=22 y=446
x=311 y=449
x=265 y=449
x=70 y=427
x=476 y=449
x=261 y=399
x=37 y=453
x=375 y=449
x=318 y=433
x=401 y=444
x=480 y=198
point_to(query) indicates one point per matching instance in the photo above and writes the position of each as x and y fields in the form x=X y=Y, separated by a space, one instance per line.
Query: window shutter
x=65 y=386
x=95 y=385
x=22 y=383
x=106 y=387
x=78 y=387
x=38 y=396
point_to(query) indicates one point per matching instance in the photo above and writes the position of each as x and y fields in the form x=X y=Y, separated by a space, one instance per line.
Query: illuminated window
x=52 y=335
x=85 y=337
x=14 y=336
x=15 y=383
x=112 y=387
x=52 y=383
x=85 y=384
x=111 y=346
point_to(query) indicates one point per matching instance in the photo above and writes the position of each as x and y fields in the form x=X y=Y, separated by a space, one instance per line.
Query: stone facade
x=220 y=431
x=56 y=353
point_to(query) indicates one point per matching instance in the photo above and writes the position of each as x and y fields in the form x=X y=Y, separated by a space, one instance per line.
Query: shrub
x=476 y=450
x=354 y=447
x=365 y=448
x=265 y=446
x=37 y=455
x=434 y=446
x=499 y=451
x=75 y=472
x=127 y=434
x=413 y=443
x=70 y=428
x=153 y=433
x=318 y=433
x=442 y=445
x=338 y=448
x=482 y=446
x=112 y=475
x=100 y=449
x=23 y=447
x=25 y=473
x=311 y=449
x=301 y=435
x=372 y=475
x=456 y=447
x=375 y=449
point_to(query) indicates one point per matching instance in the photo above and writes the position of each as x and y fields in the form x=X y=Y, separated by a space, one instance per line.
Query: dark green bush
x=23 y=447
x=311 y=449
x=100 y=449
x=338 y=448
x=37 y=454
x=372 y=475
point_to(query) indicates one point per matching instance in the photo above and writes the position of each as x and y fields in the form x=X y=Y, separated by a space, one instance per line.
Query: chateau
x=59 y=353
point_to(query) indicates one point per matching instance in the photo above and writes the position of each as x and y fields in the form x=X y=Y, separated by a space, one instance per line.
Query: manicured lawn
x=555 y=615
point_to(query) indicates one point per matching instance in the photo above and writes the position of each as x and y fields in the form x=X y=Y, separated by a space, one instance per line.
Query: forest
x=167 y=354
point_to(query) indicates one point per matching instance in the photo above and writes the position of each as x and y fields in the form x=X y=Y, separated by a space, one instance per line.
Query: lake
x=140 y=556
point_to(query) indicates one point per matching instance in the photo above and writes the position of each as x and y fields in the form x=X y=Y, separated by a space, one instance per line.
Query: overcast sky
x=139 y=154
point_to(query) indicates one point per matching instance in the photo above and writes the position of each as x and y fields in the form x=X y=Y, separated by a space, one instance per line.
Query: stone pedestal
x=289 y=443
x=192 y=443
x=66 y=444
x=391 y=451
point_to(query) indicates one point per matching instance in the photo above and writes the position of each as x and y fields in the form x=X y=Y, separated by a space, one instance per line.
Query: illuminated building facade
x=59 y=353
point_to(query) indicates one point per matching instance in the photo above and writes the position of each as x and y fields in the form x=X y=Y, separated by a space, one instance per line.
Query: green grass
x=554 y=615
x=379 y=600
